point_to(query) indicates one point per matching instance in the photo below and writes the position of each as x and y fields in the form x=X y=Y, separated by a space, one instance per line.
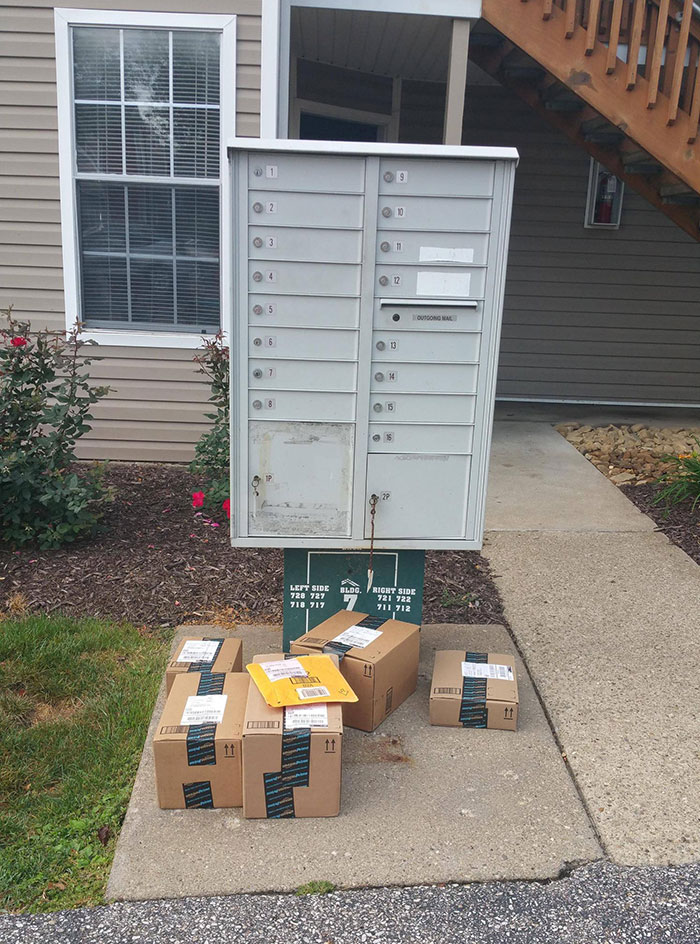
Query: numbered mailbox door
x=300 y=478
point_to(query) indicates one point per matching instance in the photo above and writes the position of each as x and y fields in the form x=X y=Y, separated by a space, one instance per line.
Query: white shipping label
x=306 y=716
x=358 y=637
x=285 y=668
x=443 y=284
x=445 y=254
x=198 y=650
x=487 y=670
x=204 y=709
x=316 y=691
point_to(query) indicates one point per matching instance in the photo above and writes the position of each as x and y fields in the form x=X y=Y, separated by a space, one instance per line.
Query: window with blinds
x=146 y=166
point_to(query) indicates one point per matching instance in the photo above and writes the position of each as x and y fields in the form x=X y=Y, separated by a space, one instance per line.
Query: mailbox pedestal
x=368 y=288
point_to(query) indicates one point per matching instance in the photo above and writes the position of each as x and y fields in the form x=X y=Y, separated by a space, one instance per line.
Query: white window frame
x=64 y=20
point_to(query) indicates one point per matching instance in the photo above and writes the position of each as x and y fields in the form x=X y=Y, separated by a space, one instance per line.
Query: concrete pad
x=608 y=626
x=539 y=482
x=420 y=805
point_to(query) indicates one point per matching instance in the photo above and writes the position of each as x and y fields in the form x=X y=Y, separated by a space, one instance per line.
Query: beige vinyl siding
x=156 y=410
x=589 y=314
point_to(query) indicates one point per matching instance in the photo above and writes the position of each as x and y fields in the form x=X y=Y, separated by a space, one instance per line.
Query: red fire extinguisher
x=605 y=198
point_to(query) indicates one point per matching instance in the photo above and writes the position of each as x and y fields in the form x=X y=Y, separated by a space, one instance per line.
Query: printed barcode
x=304 y=679
x=263 y=724
x=447 y=691
x=319 y=692
x=315 y=640
x=174 y=729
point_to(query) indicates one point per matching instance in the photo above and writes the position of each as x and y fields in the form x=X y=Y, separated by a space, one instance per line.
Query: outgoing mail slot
x=433 y=214
x=438 y=249
x=436 y=178
x=430 y=281
x=313 y=278
x=303 y=209
x=266 y=373
x=406 y=438
x=421 y=496
x=301 y=405
x=439 y=346
x=404 y=316
x=302 y=343
x=422 y=408
x=290 y=488
x=300 y=245
x=422 y=378
x=302 y=311
x=306 y=172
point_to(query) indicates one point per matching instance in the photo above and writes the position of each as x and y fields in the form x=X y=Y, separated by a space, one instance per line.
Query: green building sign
x=319 y=583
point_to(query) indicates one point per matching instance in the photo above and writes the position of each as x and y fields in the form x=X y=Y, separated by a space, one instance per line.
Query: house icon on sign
x=349 y=591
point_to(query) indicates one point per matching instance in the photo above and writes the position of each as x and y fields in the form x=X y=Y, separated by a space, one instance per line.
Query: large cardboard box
x=198 y=741
x=379 y=659
x=291 y=757
x=205 y=653
x=474 y=690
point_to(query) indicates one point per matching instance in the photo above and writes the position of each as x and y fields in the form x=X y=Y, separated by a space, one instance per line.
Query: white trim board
x=380 y=149
x=64 y=19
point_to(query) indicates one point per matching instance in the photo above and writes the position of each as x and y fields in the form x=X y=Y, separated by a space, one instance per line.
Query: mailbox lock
x=385 y=246
x=257 y=341
x=257 y=276
x=379 y=376
x=396 y=317
x=386 y=212
x=258 y=171
x=383 y=279
x=257 y=404
x=381 y=345
x=377 y=408
x=257 y=242
x=258 y=207
x=376 y=438
x=257 y=373
x=388 y=176
x=257 y=309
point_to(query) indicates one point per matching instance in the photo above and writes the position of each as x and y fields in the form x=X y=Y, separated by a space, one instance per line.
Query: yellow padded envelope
x=305 y=680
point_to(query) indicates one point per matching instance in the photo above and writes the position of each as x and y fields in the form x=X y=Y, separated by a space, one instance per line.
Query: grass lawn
x=75 y=701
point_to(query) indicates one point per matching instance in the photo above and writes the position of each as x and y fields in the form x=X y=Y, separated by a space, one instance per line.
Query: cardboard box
x=474 y=690
x=290 y=771
x=200 y=764
x=382 y=668
x=223 y=654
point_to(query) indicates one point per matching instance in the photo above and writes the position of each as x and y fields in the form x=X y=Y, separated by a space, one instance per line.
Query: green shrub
x=681 y=482
x=211 y=454
x=46 y=402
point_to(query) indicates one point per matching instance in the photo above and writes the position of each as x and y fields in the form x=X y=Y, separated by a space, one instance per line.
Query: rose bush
x=46 y=401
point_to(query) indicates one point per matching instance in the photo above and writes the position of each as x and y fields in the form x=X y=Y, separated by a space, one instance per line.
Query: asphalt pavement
x=596 y=904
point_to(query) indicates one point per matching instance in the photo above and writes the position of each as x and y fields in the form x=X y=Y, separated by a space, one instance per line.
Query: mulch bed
x=158 y=564
x=679 y=523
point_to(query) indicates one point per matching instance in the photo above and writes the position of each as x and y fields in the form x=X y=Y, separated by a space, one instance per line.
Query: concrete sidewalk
x=604 y=609
x=420 y=805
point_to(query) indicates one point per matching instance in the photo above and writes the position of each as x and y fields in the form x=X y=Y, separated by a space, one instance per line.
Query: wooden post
x=456 y=82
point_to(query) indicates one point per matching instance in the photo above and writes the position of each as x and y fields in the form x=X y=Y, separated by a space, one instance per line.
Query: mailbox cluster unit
x=368 y=290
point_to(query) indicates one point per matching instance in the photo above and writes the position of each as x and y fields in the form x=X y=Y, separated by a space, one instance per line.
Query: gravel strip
x=597 y=904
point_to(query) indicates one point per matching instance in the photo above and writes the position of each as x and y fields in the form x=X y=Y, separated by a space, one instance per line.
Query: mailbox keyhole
x=396 y=317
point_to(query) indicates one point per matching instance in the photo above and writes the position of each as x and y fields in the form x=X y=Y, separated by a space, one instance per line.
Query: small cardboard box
x=290 y=771
x=474 y=690
x=222 y=654
x=200 y=764
x=381 y=668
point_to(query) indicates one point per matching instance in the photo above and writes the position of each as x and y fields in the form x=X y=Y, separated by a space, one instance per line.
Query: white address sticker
x=487 y=670
x=443 y=284
x=445 y=254
x=358 y=637
x=285 y=668
x=198 y=650
x=316 y=691
x=306 y=716
x=204 y=709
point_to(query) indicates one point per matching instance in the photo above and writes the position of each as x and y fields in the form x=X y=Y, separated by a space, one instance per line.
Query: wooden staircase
x=621 y=78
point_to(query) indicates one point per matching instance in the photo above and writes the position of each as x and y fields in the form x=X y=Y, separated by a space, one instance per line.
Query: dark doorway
x=321 y=128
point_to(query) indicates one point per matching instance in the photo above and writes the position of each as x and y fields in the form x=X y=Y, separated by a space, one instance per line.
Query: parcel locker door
x=420 y=496
x=300 y=478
